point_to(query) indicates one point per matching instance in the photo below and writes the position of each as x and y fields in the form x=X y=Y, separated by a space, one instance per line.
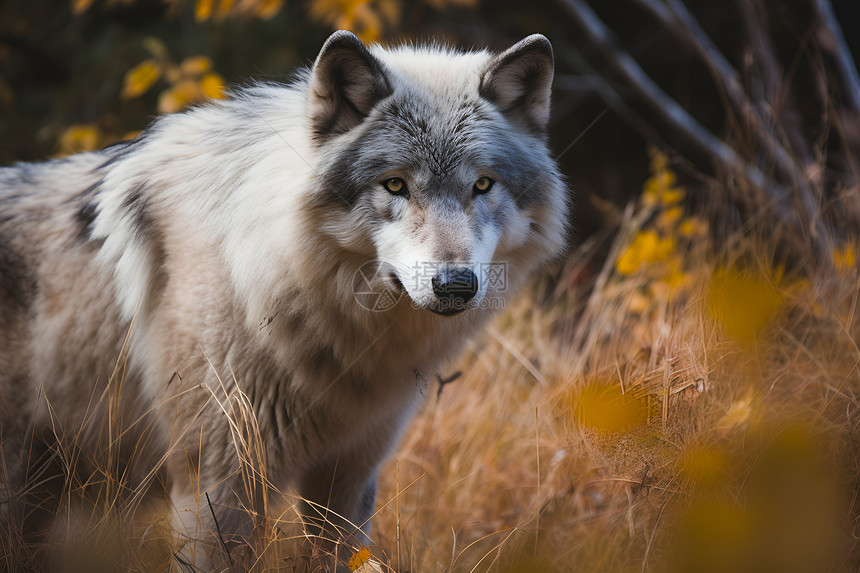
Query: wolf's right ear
x=346 y=82
x=518 y=81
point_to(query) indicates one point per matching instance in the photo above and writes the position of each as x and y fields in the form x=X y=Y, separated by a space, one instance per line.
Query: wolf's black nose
x=455 y=288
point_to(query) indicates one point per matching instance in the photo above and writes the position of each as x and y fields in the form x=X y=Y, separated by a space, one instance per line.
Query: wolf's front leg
x=212 y=514
x=338 y=501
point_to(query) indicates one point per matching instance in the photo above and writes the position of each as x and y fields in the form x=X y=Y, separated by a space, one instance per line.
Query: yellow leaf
x=155 y=47
x=180 y=95
x=389 y=10
x=212 y=86
x=739 y=413
x=675 y=276
x=78 y=138
x=359 y=558
x=140 y=78
x=659 y=161
x=171 y=72
x=671 y=195
x=660 y=188
x=356 y=15
x=80 y=6
x=268 y=9
x=647 y=247
x=638 y=303
x=669 y=217
x=693 y=227
x=203 y=10
x=629 y=262
x=845 y=258
x=195 y=66
x=223 y=9
x=673 y=214
x=650 y=197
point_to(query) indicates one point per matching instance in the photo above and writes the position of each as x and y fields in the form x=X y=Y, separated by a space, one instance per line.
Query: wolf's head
x=435 y=163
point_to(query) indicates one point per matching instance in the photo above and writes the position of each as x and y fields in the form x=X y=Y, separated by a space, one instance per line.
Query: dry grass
x=710 y=426
x=696 y=413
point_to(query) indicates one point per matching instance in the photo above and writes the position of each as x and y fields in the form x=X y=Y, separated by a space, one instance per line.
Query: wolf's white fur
x=228 y=239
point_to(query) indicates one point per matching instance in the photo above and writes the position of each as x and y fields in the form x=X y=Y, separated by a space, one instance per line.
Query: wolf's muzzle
x=454 y=288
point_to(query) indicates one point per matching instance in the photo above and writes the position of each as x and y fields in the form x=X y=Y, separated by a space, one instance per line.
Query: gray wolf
x=200 y=280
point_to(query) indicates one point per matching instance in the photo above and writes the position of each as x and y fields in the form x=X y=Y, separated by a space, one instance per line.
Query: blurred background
x=681 y=392
x=81 y=74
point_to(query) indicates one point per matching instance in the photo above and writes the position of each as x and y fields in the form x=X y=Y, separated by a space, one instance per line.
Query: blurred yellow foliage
x=219 y=10
x=195 y=66
x=743 y=303
x=675 y=276
x=80 y=6
x=715 y=536
x=155 y=47
x=657 y=251
x=212 y=86
x=442 y=4
x=705 y=465
x=140 y=78
x=203 y=9
x=78 y=138
x=670 y=217
x=268 y=9
x=692 y=227
x=647 y=247
x=606 y=408
x=191 y=81
x=178 y=96
x=738 y=414
x=661 y=188
x=366 y=18
x=844 y=258
x=87 y=137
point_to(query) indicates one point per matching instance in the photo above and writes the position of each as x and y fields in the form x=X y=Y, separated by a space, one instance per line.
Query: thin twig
x=679 y=119
x=842 y=54
x=685 y=25
x=183 y=563
x=218 y=530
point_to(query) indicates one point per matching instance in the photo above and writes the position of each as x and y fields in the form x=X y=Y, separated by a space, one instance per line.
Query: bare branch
x=768 y=76
x=671 y=112
x=683 y=22
x=606 y=92
x=767 y=86
x=844 y=61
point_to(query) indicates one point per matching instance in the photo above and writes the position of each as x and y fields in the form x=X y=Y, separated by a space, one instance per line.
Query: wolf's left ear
x=518 y=81
x=346 y=82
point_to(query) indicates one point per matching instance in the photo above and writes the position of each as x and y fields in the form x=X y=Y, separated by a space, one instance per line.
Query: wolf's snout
x=455 y=288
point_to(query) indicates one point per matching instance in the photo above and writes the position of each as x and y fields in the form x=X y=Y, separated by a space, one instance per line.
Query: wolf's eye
x=482 y=185
x=395 y=186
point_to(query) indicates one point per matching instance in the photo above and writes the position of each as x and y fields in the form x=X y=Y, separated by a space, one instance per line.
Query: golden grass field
x=696 y=411
x=657 y=402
